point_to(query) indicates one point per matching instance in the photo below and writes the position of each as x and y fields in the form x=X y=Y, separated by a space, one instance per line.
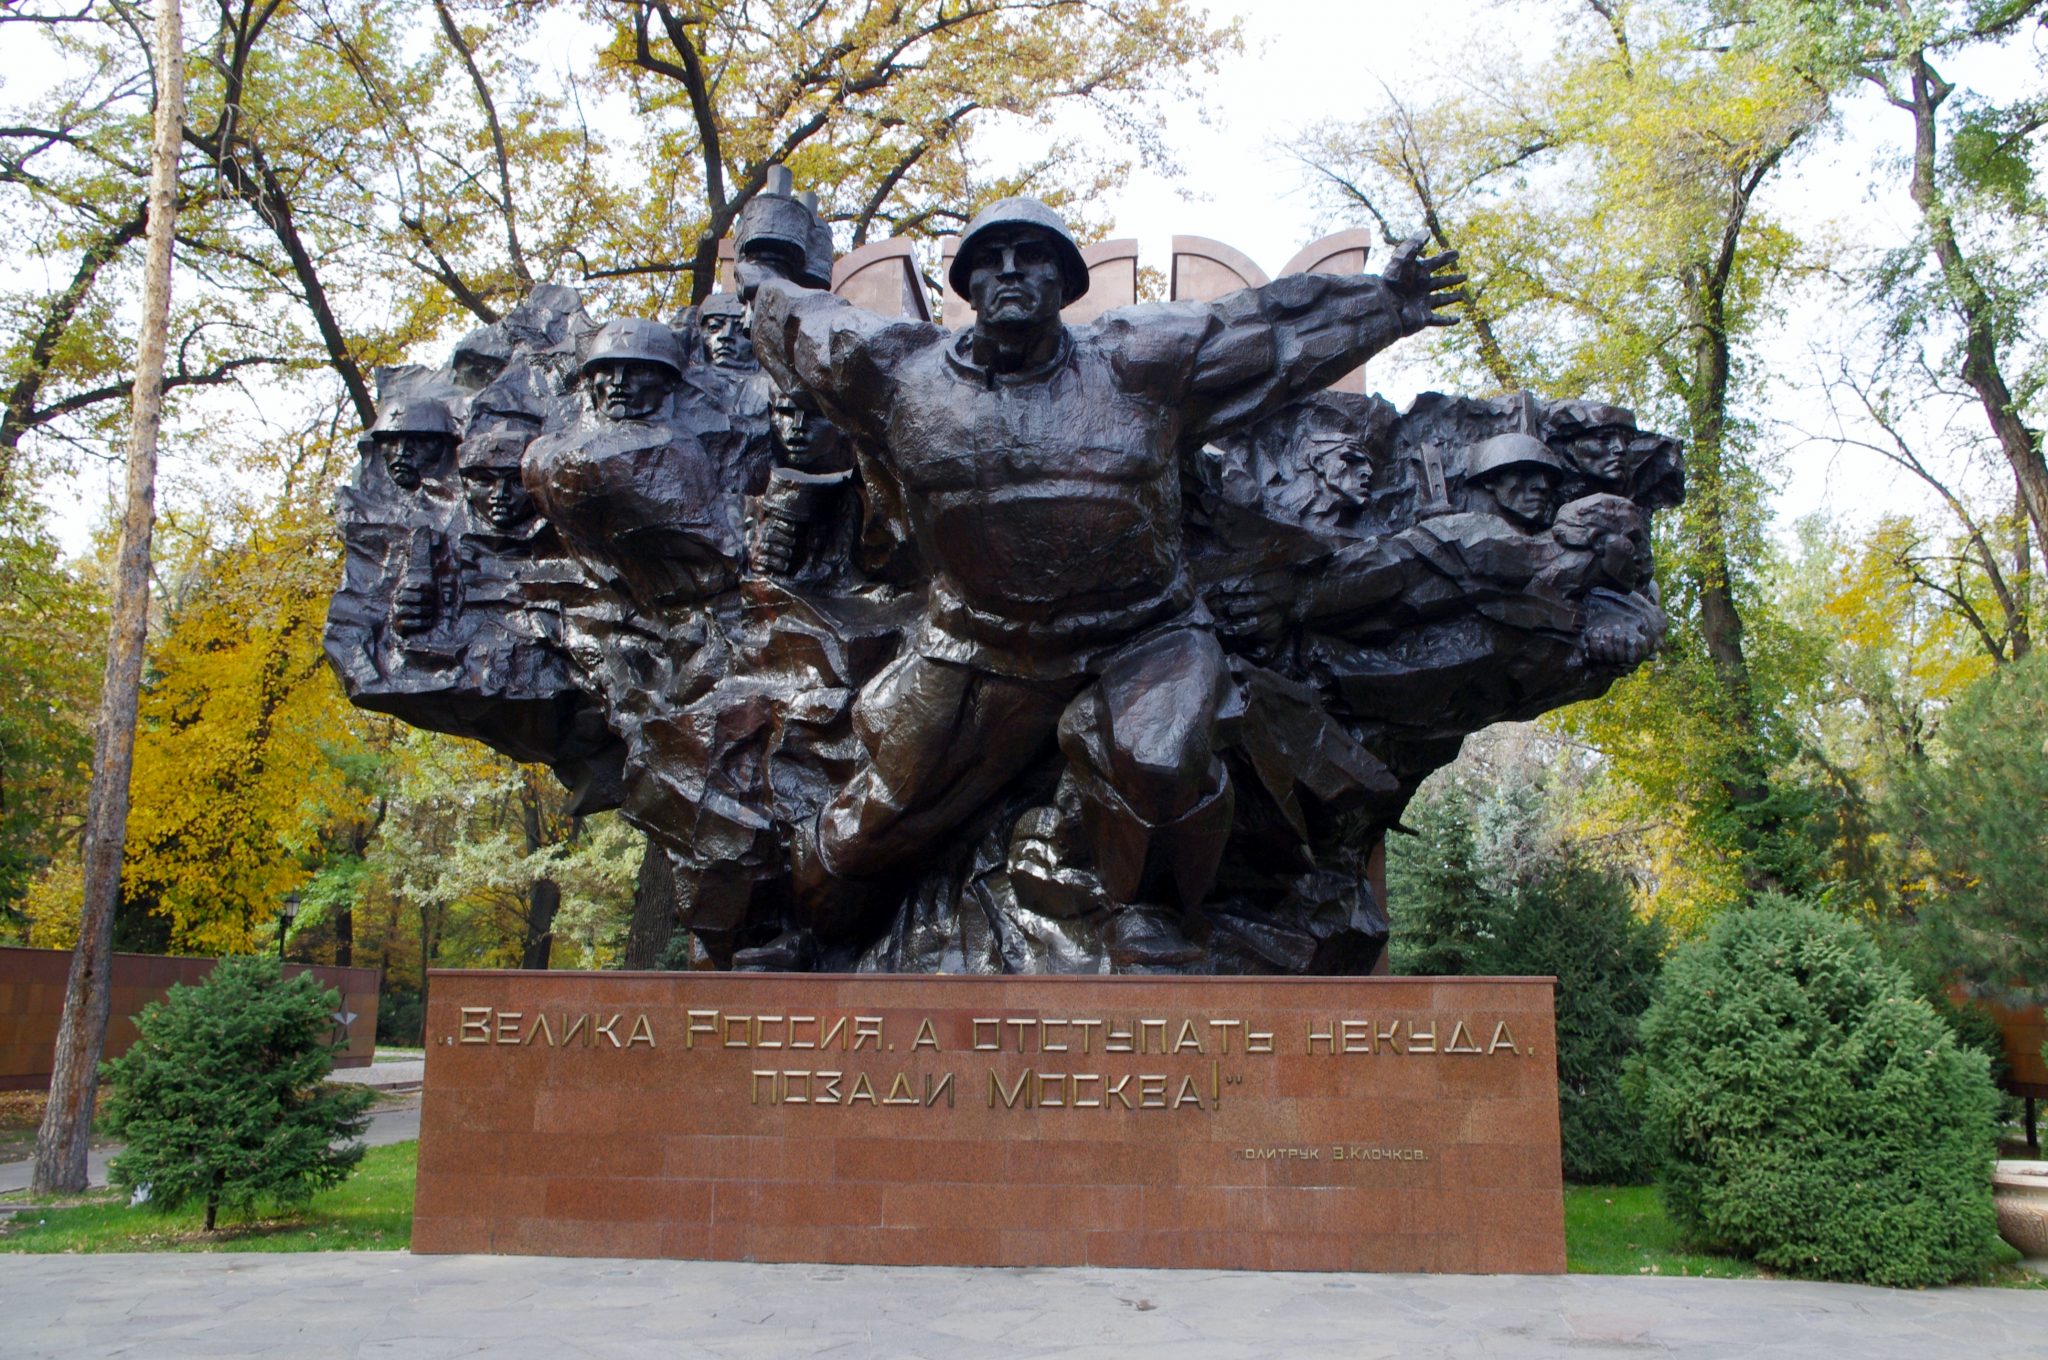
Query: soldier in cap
x=1038 y=467
x=721 y=321
x=490 y=468
x=1515 y=476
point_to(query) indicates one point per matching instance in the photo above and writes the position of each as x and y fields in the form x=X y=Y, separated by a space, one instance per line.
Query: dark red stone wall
x=1387 y=1124
x=32 y=983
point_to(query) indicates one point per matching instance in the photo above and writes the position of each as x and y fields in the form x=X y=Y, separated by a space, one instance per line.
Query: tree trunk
x=213 y=1201
x=654 y=909
x=66 y=1132
x=543 y=900
x=1975 y=308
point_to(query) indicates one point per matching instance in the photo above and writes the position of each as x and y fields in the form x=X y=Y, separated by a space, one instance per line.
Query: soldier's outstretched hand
x=1421 y=286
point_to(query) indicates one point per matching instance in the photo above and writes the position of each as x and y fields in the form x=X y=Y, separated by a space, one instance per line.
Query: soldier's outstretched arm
x=1263 y=347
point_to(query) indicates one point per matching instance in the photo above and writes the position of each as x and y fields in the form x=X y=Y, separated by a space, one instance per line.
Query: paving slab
x=395 y=1306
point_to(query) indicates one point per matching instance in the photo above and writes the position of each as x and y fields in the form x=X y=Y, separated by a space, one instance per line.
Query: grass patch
x=1623 y=1230
x=370 y=1211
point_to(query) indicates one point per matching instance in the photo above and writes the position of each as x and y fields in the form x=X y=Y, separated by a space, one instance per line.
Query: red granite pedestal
x=1384 y=1124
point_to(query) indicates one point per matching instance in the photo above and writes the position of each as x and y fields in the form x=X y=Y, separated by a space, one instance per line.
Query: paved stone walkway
x=399 y=1307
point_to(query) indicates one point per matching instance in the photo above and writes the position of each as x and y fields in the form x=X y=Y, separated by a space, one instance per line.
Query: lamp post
x=285 y=918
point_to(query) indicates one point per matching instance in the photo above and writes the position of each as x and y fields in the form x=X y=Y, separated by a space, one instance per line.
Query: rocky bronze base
x=1380 y=1124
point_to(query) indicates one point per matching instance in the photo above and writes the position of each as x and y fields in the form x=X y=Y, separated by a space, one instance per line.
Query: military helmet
x=637 y=339
x=414 y=415
x=775 y=216
x=1021 y=212
x=1504 y=451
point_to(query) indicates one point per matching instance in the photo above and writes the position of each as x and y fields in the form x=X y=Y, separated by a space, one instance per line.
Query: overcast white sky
x=1307 y=60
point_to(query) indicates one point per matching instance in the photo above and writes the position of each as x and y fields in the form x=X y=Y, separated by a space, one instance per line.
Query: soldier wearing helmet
x=1515 y=476
x=479 y=358
x=632 y=369
x=1038 y=468
x=413 y=436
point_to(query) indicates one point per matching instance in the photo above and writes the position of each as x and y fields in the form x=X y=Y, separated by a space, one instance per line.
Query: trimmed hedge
x=1808 y=1110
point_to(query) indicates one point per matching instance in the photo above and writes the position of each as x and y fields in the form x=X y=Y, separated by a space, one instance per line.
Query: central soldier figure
x=1036 y=467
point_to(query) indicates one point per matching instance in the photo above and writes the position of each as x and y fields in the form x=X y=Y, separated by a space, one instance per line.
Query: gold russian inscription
x=926 y=1036
x=1258 y=1041
x=581 y=1025
x=900 y=1092
x=1458 y=1031
x=1012 y=1094
x=932 y=1092
x=1421 y=1040
x=1355 y=1035
x=1023 y=1027
x=1045 y=1043
x=1226 y=1026
x=1087 y=1028
x=476 y=1025
x=788 y=1088
x=1501 y=1039
x=997 y=1044
x=761 y=1028
x=1120 y=1089
x=1187 y=1038
x=540 y=1026
x=696 y=1023
x=1052 y=1090
x=861 y=1089
x=1152 y=1036
x=838 y=1031
x=741 y=1024
x=1151 y=1091
x=1389 y=1037
x=759 y=1077
x=796 y=1020
x=1119 y=1041
x=508 y=1026
x=1081 y=1104
x=609 y=1030
x=828 y=1094
x=643 y=1033
x=1187 y=1095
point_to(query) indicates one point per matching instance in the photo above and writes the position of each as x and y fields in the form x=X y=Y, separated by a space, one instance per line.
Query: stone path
x=369 y=1306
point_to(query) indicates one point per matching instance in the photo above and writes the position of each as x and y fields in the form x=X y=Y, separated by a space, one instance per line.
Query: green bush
x=1577 y=923
x=1554 y=913
x=224 y=1098
x=1809 y=1111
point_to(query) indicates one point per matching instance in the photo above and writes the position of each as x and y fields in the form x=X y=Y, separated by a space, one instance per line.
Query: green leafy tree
x=1608 y=196
x=1809 y=1111
x=224 y=1098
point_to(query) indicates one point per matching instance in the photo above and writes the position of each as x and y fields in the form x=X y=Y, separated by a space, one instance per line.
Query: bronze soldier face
x=1523 y=494
x=628 y=389
x=807 y=439
x=725 y=344
x=408 y=455
x=474 y=372
x=1601 y=454
x=1015 y=278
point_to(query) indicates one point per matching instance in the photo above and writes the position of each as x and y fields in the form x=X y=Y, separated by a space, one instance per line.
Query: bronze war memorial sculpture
x=1026 y=647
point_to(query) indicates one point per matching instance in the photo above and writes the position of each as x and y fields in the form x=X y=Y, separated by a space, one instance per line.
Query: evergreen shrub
x=1810 y=1111
x=224 y=1097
